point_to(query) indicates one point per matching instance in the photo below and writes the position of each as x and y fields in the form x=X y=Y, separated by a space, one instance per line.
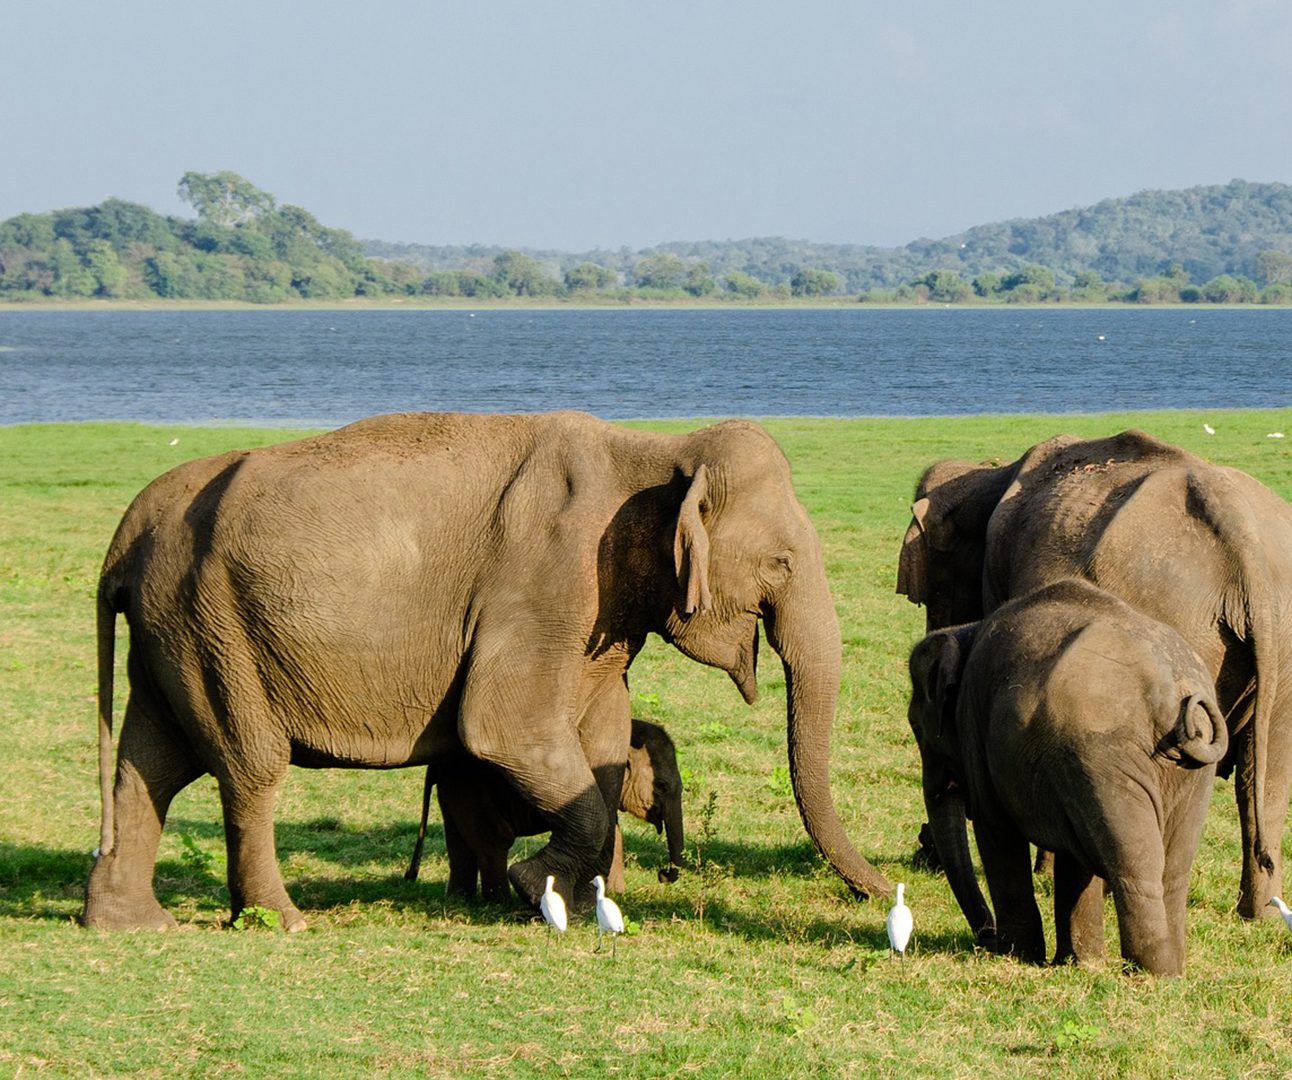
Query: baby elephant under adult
x=1073 y=722
x=483 y=815
x=414 y=586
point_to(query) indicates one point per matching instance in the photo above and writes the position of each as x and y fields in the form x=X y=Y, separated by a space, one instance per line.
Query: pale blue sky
x=592 y=123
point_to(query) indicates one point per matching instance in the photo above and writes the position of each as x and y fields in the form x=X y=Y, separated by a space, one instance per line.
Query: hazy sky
x=595 y=123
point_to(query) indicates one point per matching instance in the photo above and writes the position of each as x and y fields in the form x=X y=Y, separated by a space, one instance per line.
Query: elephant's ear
x=944 y=679
x=912 y=563
x=691 y=545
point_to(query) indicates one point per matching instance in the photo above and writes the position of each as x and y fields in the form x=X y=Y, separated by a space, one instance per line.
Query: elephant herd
x=1107 y=623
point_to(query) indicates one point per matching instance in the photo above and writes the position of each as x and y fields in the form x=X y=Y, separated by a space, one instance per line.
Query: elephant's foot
x=1254 y=899
x=114 y=902
x=120 y=913
x=529 y=879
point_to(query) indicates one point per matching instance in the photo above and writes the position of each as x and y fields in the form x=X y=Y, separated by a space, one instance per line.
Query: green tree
x=224 y=198
x=521 y=274
x=945 y=286
x=1226 y=289
x=698 y=280
x=810 y=282
x=72 y=278
x=1155 y=290
x=589 y=277
x=111 y=278
x=986 y=283
x=664 y=271
x=1274 y=267
x=1090 y=286
x=743 y=285
x=1041 y=277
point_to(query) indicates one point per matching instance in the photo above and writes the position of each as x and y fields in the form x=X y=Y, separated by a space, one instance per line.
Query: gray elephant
x=1205 y=549
x=1069 y=720
x=417 y=585
x=483 y=814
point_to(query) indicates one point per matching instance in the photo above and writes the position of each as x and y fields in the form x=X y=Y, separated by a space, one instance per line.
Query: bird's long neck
x=901 y=890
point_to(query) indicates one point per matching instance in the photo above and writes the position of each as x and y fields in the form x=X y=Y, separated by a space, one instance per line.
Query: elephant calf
x=1070 y=720
x=483 y=814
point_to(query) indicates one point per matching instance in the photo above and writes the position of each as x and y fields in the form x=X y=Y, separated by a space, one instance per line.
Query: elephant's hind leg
x=254 y=878
x=153 y=765
x=1078 y=912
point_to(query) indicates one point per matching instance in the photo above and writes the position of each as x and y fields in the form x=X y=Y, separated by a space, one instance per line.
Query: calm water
x=330 y=367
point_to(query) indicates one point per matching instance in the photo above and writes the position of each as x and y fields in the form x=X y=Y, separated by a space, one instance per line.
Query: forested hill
x=1204 y=232
x=1223 y=244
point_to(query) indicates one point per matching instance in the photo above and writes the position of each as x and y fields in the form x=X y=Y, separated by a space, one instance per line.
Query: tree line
x=244 y=246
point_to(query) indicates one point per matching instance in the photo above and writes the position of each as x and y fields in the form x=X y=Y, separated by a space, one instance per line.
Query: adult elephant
x=414 y=585
x=1203 y=548
x=483 y=814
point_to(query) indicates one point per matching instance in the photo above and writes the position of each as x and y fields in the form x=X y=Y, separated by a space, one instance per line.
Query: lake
x=323 y=368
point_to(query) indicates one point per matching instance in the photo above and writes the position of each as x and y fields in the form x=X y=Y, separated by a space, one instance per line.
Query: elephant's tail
x=1199 y=735
x=107 y=647
x=415 y=865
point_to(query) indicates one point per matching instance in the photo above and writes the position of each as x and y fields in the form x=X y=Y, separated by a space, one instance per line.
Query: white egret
x=1208 y=429
x=900 y=923
x=1275 y=435
x=1284 y=910
x=552 y=905
x=610 y=920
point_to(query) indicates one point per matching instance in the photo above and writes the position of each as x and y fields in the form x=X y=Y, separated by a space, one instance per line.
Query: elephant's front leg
x=1007 y=864
x=1078 y=912
x=537 y=744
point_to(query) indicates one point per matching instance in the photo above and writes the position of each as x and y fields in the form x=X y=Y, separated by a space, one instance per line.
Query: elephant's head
x=741 y=548
x=936 y=666
x=943 y=553
x=653 y=788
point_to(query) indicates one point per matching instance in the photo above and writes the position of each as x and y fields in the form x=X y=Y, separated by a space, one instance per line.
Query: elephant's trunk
x=804 y=631
x=946 y=810
x=673 y=833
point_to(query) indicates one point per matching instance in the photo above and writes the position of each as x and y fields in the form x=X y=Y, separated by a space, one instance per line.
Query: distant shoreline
x=546 y=304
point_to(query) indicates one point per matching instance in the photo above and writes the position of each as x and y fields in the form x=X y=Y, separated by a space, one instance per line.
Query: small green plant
x=255 y=917
x=646 y=698
x=200 y=861
x=631 y=927
x=707 y=872
x=1072 y=1034
x=797 y=1017
x=714 y=731
x=778 y=783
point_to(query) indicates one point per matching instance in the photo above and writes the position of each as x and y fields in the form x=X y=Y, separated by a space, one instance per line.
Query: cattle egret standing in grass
x=1284 y=910
x=900 y=923
x=1208 y=429
x=552 y=905
x=610 y=920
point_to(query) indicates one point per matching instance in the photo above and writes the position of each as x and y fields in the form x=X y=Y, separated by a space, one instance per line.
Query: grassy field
x=758 y=964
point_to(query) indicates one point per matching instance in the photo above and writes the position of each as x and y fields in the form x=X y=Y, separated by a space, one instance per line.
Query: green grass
x=783 y=975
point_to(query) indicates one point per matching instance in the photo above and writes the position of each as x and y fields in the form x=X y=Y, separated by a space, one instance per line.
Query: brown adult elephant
x=412 y=585
x=1203 y=548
